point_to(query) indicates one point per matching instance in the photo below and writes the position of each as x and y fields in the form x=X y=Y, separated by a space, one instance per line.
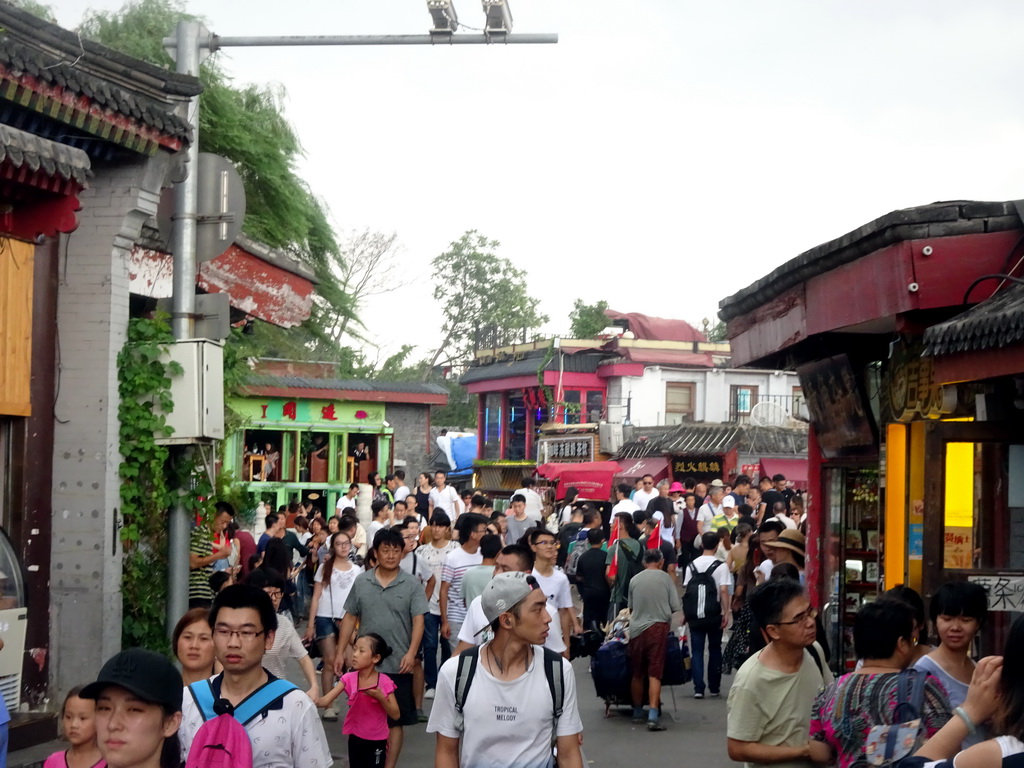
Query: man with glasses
x=771 y=698
x=390 y=602
x=553 y=580
x=288 y=732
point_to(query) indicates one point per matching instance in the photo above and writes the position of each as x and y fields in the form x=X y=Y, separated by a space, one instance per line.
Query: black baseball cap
x=148 y=675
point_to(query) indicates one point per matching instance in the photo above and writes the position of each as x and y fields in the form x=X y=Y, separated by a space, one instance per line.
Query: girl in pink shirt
x=371 y=701
x=78 y=720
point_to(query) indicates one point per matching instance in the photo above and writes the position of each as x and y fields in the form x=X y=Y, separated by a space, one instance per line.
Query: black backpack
x=629 y=563
x=700 y=600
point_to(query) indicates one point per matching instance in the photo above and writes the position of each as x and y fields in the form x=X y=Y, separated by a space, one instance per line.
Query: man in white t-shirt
x=401 y=490
x=348 y=499
x=709 y=636
x=622 y=501
x=471 y=527
x=766 y=535
x=508 y=717
x=289 y=733
x=474 y=631
x=443 y=496
x=534 y=502
x=553 y=580
x=646 y=493
x=712 y=508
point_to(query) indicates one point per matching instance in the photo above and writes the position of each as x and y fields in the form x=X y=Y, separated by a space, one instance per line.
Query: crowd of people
x=442 y=598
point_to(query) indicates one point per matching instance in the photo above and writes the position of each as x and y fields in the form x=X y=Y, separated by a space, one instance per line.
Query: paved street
x=695 y=735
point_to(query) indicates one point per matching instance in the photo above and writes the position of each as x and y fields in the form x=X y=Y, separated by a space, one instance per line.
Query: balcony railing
x=767 y=410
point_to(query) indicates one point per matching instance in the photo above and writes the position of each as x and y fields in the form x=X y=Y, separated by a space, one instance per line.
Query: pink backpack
x=222 y=741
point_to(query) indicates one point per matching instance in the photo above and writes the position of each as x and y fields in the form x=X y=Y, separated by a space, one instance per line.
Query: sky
x=661 y=156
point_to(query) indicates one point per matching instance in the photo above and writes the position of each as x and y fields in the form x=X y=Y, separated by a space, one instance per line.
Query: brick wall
x=411 y=425
x=92 y=319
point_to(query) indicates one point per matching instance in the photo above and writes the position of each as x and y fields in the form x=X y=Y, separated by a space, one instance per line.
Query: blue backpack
x=222 y=741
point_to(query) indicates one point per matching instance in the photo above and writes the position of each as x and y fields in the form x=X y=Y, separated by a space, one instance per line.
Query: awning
x=631 y=470
x=593 y=479
x=794 y=470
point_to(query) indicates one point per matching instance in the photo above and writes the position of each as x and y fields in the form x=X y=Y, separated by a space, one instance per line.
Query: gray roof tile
x=356 y=385
x=25 y=149
x=994 y=323
x=705 y=438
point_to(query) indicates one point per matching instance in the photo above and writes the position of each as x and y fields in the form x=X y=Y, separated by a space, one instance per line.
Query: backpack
x=630 y=564
x=576 y=550
x=222 y=741
x=700 y=600
x=468 y=661
x=886 y=746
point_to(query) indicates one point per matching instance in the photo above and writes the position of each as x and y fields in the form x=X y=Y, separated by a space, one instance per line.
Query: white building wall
x=712 y=391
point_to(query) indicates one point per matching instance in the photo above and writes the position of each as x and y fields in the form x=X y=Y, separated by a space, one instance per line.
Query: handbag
x=887 y=745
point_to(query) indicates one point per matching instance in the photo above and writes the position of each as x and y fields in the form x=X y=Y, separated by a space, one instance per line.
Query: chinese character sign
x=1005 y=593
x=575 y=449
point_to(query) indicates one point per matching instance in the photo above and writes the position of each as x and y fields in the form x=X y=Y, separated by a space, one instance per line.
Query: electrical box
x=610 y=435
x=198 y=392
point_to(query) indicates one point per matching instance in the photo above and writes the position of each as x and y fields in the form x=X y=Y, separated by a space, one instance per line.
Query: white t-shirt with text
x=507 y=723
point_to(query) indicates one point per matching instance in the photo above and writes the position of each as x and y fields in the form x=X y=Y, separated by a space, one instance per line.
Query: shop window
x=572 y=406
x=515 y=446
x=680 y=398
x=595 y=406
x=263 y=458
x=492 y=426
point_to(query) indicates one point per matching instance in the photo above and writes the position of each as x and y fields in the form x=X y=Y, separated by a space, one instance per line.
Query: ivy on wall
x=144 y=386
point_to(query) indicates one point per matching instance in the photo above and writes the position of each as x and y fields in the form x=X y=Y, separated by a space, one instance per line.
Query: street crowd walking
x=463 y=617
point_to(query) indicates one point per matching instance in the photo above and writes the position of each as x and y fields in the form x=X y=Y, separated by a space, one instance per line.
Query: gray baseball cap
x=504 y=592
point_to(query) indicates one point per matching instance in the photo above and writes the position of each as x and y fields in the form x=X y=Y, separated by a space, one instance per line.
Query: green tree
x=493 y=307
x=587 y=320
x=246 y=124
x=716 y=332
x=43 y=11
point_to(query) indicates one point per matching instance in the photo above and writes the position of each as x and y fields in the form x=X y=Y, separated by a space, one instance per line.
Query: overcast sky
x=662 y=155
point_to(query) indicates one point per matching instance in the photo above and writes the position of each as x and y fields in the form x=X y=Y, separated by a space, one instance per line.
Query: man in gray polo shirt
x=390 y=602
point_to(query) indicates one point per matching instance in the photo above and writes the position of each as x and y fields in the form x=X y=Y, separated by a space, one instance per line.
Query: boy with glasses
x=288 y=732
x=771 y=698
x=553 y=580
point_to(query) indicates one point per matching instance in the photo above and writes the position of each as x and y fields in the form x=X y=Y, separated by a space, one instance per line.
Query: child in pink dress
x=78 y=721
x=371 y=701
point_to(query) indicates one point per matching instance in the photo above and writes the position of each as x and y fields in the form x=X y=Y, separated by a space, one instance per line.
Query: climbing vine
x=144 y=381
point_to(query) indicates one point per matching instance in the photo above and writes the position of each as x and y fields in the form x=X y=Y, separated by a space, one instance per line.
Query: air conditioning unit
x=198 y=393
x=610 y=435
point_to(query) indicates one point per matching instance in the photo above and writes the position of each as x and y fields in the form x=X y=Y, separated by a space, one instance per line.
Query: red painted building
x=908 y=351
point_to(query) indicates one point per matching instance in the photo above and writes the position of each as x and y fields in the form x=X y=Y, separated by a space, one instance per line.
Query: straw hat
x=789 y=539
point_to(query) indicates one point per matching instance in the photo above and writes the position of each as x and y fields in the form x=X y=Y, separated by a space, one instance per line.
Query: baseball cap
x=729 y=501
x=504 y=592
x=148 y=675
x=676 y=488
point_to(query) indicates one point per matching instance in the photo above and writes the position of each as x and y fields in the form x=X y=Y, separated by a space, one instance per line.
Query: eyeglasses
x=243 y=634
x=411 y=537
x=274 y=593
x=546 y=543
x=809 y=615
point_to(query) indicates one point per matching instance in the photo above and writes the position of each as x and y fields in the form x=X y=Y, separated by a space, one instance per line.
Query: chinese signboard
x=324 y=413
x=1005 y=593
x=911 y=389
x=571 y=449
x=839 y=411
x=697 y=465
x=958 y=551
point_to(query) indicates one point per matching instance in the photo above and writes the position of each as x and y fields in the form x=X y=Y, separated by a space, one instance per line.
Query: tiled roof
x=352 y=385
x=714 y=438
x=531 y=363
x=936 y=220
x=22 y=149
x=53 y=72
x=995 y=322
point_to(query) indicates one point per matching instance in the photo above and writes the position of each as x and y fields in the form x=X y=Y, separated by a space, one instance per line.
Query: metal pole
x=437 y=39
x=183 y=308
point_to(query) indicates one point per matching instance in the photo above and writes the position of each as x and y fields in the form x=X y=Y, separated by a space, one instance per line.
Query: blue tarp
x=464 y=453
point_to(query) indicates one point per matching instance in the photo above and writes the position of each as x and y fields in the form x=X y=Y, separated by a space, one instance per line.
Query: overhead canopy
x=593 y=479
x=794 y=470
x=658 y=466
